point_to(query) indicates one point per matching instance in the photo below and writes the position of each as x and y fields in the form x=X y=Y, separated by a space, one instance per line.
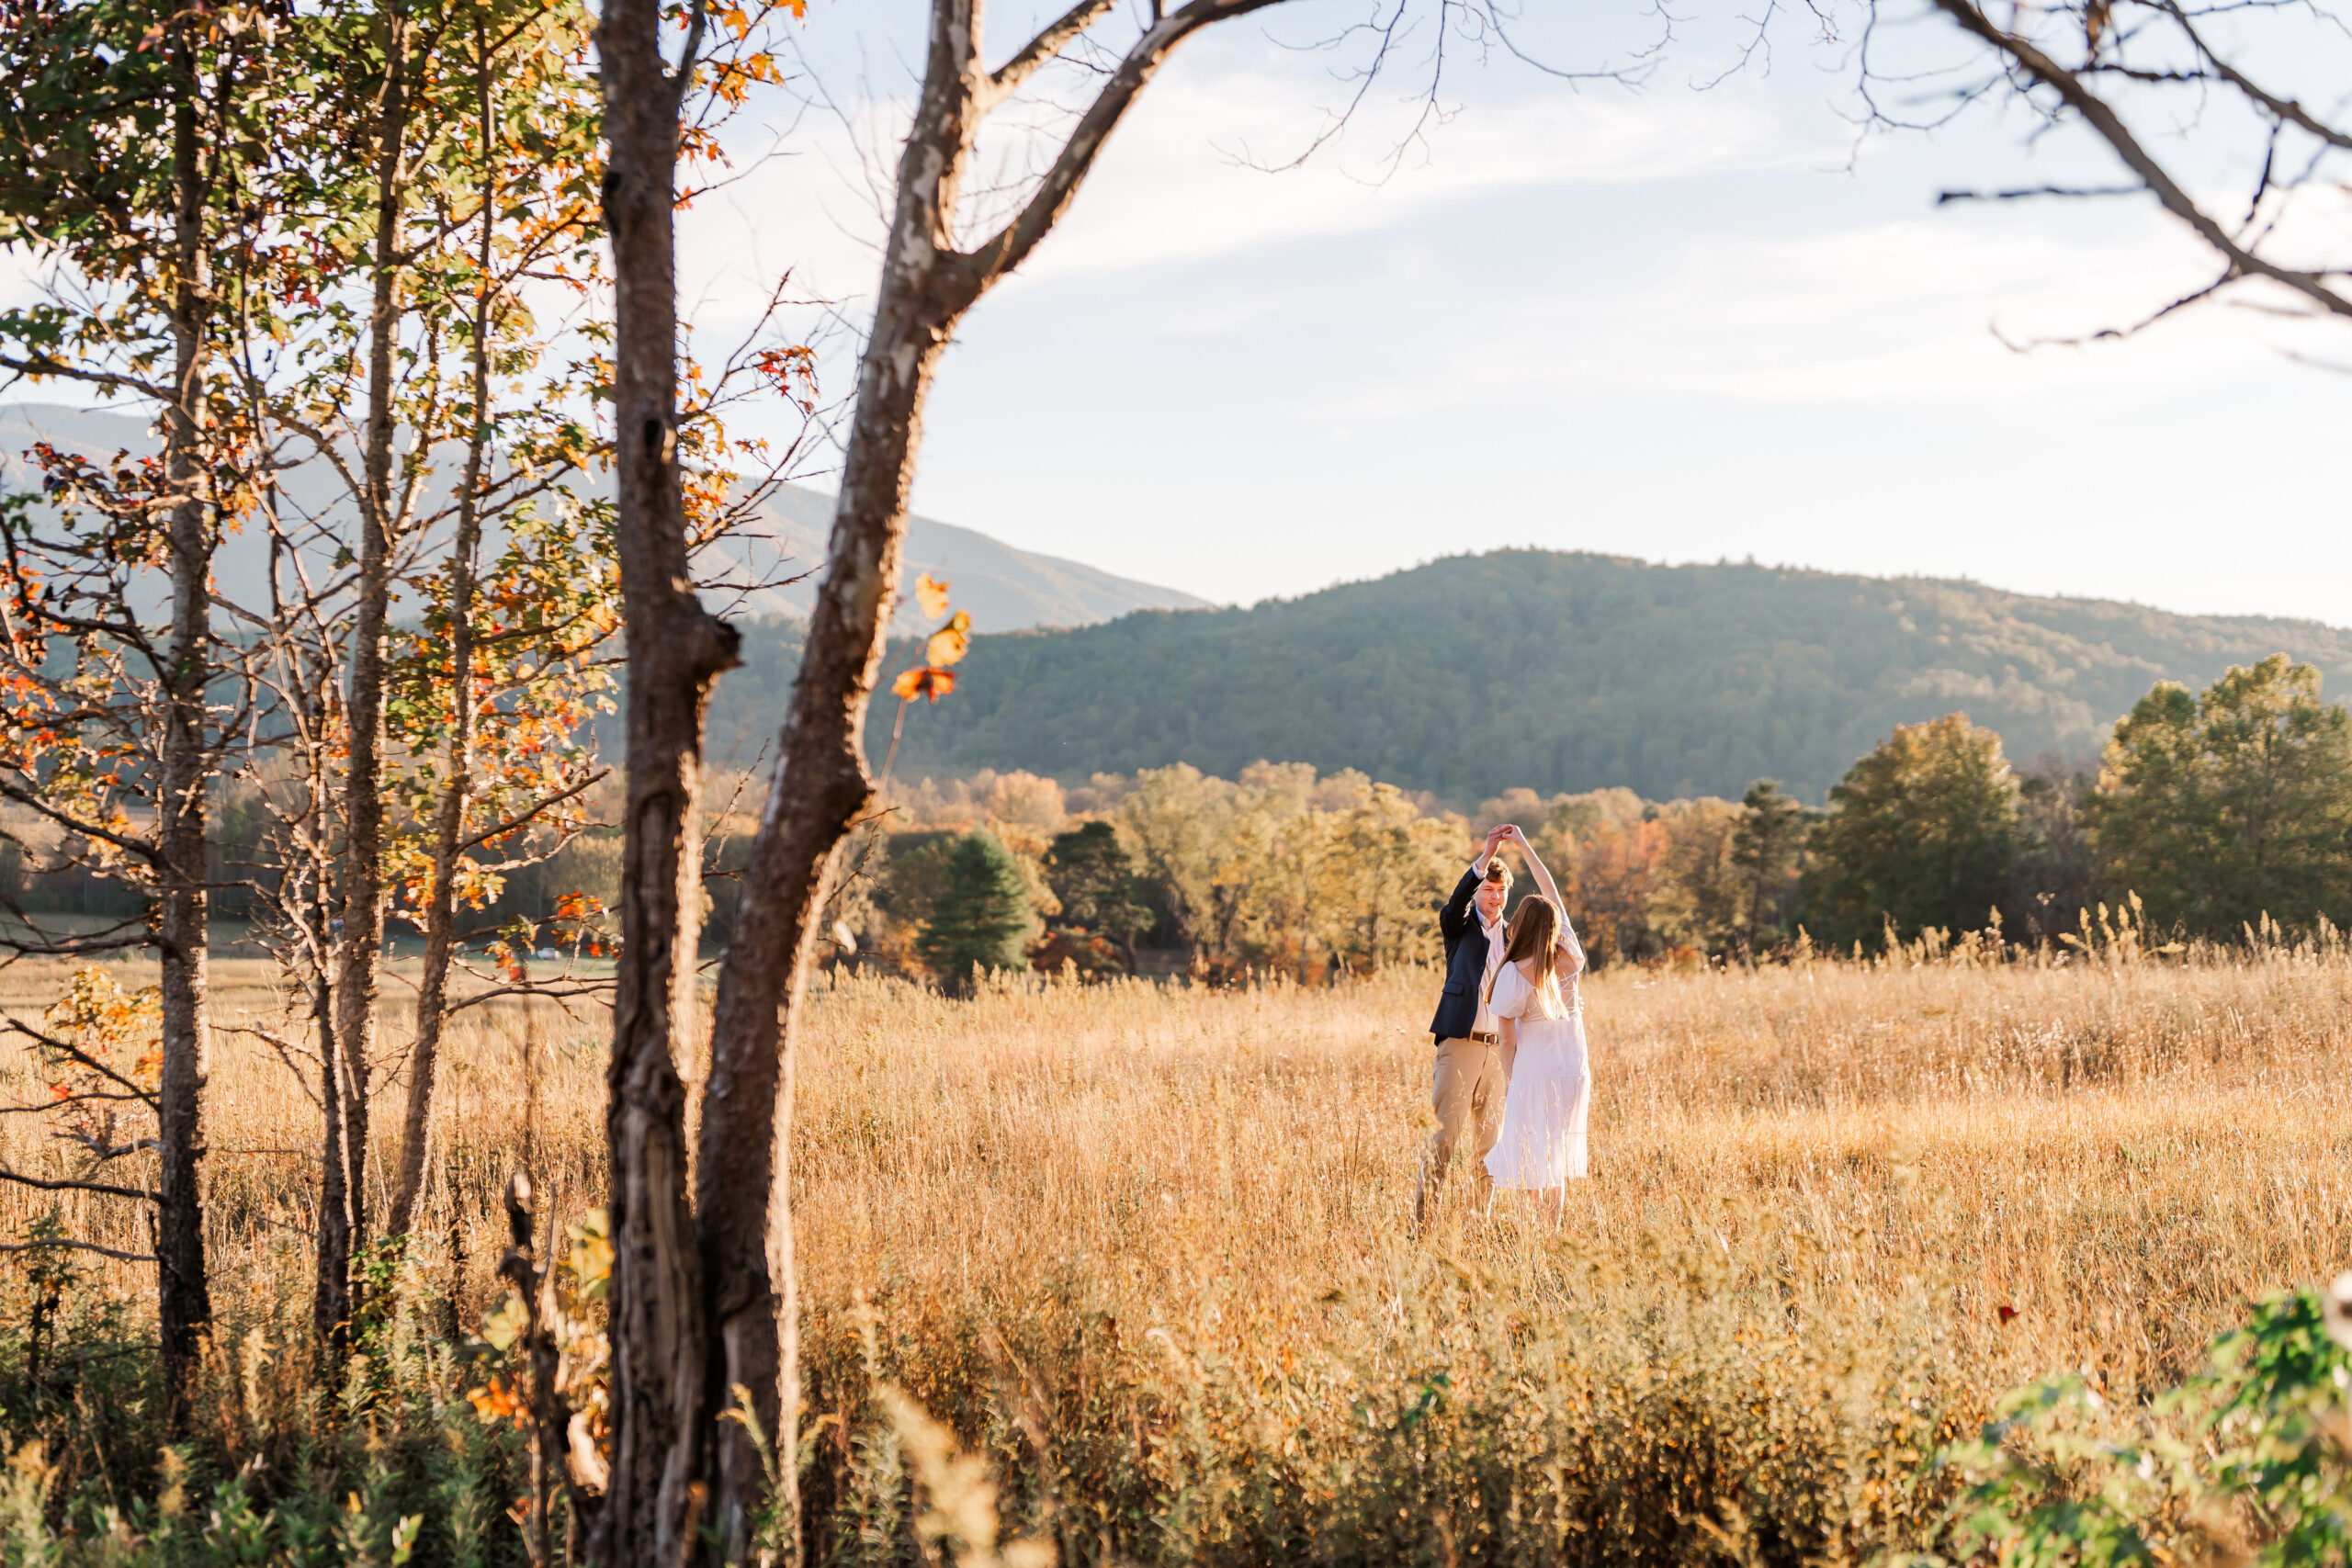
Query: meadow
x=1142 y=1251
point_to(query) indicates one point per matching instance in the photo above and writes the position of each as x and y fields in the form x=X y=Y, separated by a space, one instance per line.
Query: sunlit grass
x=1146 y=1247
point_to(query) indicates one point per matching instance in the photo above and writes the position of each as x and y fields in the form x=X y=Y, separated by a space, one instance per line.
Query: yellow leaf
x=505 y=1326
x=932 y=595
x=950 y=642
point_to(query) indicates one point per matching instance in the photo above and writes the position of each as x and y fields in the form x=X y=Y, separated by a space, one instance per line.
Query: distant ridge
x=1005 y=588
x=1572 y=671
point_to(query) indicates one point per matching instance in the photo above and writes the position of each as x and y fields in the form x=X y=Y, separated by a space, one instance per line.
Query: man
x=1466 y=1084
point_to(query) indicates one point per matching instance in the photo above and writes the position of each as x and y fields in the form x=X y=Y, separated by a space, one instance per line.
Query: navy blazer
x=1466 y=962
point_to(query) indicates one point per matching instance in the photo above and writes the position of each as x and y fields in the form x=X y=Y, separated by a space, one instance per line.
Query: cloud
x=1184 y=179
x=1172 y=188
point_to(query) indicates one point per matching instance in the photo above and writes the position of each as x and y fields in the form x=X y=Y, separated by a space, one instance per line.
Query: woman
x=1549 y=1079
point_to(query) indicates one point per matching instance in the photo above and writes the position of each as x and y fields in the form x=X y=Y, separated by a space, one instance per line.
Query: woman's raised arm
x=1568 y=953
x=1543 y=882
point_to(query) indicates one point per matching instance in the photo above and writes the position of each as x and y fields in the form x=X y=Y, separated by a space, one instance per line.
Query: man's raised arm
x=1454 y=919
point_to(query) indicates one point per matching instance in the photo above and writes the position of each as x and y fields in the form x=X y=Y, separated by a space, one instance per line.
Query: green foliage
x=1566 y=673
x=1094 y=879
x=1766 y=848
x=1924 y=831
x=2218 y=809
x=2248 y=1460
x=979 y=917
x=1180 y=821
x=390 y=1467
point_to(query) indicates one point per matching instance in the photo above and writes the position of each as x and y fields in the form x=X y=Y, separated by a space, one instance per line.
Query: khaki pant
x=1466 y=1091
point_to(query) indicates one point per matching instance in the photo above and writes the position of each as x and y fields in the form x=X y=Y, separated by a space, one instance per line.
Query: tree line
x=2209 y=812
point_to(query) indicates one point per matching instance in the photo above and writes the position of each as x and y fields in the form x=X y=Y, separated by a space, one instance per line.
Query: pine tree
x=1765 y=848
x=981 y=916
x=1095 y=880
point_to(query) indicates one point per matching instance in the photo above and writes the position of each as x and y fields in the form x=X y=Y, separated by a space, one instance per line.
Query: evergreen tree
x=981 y=918
x=1924 y=831
x=2220 y=809
x=1091 y=874
x=1765 y=848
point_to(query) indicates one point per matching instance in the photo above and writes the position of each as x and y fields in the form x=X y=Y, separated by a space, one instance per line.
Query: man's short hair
x=1497 y=872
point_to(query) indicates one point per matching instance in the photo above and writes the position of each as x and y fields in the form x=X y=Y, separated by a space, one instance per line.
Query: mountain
x=1464 y=677
x=1573 y=671
x=1005 y=588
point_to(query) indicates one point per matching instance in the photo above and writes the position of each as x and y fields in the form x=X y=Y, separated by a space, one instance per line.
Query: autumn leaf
x=507 y=1323
x=928 y=682
x=932 y=595
x=495 y=1401
x=950 y=642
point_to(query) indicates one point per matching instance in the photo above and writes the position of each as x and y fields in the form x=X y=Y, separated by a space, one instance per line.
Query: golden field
x=1145 y=1248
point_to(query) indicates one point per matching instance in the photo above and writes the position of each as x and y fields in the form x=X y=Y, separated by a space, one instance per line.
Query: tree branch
x=2103 y=120
x=101 y=1187
x=107 y=378
x=79 y=1246
x=980 y=268
x=2287 y=109
x=1006 y=79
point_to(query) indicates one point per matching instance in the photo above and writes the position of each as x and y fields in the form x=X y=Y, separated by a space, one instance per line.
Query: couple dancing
x=1511 y=1078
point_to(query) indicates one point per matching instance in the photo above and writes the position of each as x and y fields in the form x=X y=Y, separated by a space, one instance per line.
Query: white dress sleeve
x=1511 y=992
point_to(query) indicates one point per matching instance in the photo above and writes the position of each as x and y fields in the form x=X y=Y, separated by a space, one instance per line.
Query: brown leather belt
x=1483 y=1039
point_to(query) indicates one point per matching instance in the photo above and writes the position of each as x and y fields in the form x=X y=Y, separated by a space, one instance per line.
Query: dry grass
x=264 y=1126
x=1815 y=1192
x=1146 y=1248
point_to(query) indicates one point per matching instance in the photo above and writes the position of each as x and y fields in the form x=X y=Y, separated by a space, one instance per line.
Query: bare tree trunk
x=821 y=784
x=441 y=907
x=657 y=1489
x=183 y=1295
x=363 y=799
x=330 y=1295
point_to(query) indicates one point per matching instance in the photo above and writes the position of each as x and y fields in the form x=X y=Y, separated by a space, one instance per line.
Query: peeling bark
x=821 y=784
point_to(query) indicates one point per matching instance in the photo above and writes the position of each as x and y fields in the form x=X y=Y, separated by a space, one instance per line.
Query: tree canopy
x=981 y=915
x=2221 y=809
x=1923 y=831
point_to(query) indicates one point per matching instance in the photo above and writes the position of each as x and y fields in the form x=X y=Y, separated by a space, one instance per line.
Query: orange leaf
x=928 y=682
x=932 y=595
x=495 y=1401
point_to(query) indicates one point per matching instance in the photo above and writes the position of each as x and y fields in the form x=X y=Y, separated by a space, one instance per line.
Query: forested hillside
x=1562 y=672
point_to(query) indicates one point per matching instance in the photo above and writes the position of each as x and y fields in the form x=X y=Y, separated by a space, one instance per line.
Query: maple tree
x=352 y=256
x=126 y=132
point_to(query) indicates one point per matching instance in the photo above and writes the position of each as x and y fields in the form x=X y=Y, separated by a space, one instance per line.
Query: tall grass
x=1142 y=1251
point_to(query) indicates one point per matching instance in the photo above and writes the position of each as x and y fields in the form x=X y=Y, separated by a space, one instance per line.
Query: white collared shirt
x=1494 y=929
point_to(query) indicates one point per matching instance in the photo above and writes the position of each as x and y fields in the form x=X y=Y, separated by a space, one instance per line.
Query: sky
x=1690 y=315
x=1669 y=319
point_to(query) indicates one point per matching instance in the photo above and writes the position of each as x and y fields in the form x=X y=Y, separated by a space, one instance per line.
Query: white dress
x=1542 y=1141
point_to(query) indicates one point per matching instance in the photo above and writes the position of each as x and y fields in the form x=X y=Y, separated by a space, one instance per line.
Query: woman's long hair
x=1534 y=927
